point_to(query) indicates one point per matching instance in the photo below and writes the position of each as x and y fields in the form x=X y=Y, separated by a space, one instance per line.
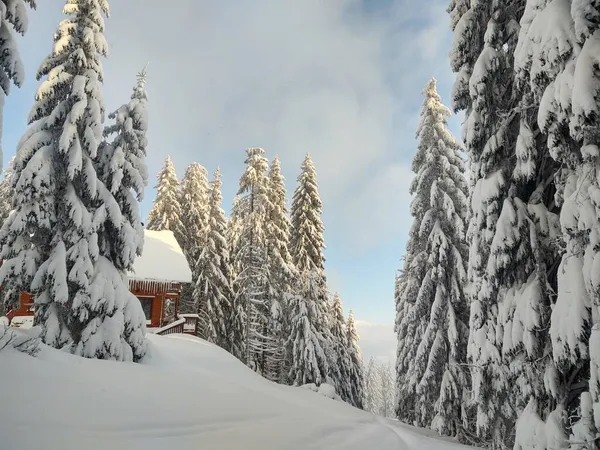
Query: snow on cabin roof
x=161 y=259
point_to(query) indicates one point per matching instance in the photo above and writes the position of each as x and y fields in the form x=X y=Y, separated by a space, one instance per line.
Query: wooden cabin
x=157 y=279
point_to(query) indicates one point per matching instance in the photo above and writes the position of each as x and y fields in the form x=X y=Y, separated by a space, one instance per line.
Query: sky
x=339 y=79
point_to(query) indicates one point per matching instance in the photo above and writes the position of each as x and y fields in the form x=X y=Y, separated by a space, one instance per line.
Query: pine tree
x=433 y=305
x=194 y=205
x=6 y=191
x=166 y=210
x=282 y=273
x=340 y=370
x=213 y=281
x=13 y=15
x=309 y=362
x=387 y=391
x=251 y=300
x=513 y=228
x=371 y=400
x=306 y=247
x=122 y=168
x=50 y=243
x=355 y=376
x=238 y=311
x=306 y=243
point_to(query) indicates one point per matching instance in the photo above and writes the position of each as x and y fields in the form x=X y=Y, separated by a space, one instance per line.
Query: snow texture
x=154 y=405
x=161 y=260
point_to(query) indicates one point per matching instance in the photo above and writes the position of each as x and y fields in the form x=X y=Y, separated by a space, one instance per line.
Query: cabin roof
x=162 y=259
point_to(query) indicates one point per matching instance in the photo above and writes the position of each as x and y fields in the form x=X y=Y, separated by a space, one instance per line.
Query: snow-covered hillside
x=188 y=394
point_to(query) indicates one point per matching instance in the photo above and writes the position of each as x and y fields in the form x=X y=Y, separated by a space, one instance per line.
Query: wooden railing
x=187 y=323
x=172 y=328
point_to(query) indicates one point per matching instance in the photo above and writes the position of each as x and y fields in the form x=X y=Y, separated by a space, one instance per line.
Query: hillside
x=187 y=395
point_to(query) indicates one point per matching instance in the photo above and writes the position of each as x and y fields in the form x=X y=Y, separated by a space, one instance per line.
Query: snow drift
x=188 y=394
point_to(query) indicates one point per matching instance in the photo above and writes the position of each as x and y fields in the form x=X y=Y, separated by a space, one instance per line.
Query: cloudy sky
x=340 y=79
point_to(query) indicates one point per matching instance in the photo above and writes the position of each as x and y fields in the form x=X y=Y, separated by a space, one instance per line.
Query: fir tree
x=50 y=243
x=13 y=16
x=355 y=375
x=340 y=370
x=194 y=204
x=251 y=302
x=281 y=270
x=371 y=400
x=237 y=318
x=433 y=305
x=513 y=226
x=213 y=281
x=309 y=362
x=307 y=244
x=122 y=168
x=306 y=247
x=166 y=210
x=6 y=191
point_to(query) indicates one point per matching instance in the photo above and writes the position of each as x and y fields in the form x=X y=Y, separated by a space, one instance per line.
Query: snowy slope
x=187 y=395
x=161 y=260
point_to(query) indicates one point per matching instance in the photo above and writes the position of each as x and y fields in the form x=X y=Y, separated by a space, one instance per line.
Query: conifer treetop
x=307 y=243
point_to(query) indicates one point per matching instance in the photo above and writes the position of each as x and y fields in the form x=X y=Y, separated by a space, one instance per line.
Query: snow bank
x=161 y=260
x=188 y=394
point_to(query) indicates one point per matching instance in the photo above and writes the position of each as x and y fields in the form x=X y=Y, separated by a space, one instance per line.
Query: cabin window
x=147 y=307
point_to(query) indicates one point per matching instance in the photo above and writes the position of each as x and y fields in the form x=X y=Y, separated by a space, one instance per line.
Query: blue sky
x=340 y=79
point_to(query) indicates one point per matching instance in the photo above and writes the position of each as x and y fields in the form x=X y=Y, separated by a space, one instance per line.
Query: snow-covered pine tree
x=251 y=299
x=371 y=392
x=580 y=218
x=307 y=243
x=166 y=210
x=513 y=226
x=213 y=273
x=237 y=318
x=429 y=356
x=6 y=191
x=340 y=370
x=50 y=242
x=122 y=168
x=194 y=205
x=356 y=371
x=282 y=273
x=387 y=390
x=13 y=16
x=306 y=246
x=309 y=363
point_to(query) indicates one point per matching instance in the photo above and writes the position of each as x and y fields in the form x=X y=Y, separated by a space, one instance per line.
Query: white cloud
x=377 y=341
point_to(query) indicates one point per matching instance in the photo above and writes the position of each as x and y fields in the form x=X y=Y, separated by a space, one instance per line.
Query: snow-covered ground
x=187 y=395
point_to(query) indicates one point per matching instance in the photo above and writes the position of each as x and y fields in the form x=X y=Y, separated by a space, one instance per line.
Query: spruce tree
x=309 y=363
x=371 y=391
x=306 y=246
x=194 y=205
x=282 y=273
x=122 y=168
x=513 y=228
x=307 y=243
x=340 y=369
x=50 y=243
x=213 y=273
x=6 y=191
x=237 y=318
x=166 y=210
x=251 y=299
x=355 y=375
x=433 y=305
x=13 y=16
